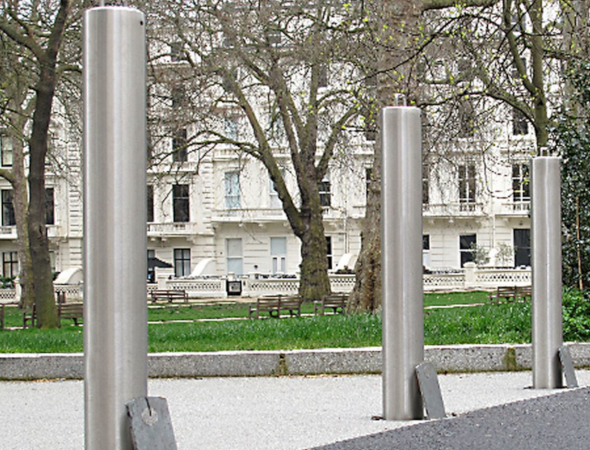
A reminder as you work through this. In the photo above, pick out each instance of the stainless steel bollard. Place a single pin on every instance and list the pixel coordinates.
(401, 222)
(115, 205)
(546, 262)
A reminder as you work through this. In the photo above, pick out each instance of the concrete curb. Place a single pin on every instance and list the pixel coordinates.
(446, 358)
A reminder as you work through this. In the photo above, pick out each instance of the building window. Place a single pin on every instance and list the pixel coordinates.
(180, 194)
(467, 184)
(520, 183)
(426, 251)
(8, 217)
(425, 184)
(151, 271)
(176, 51)
(179, 141)
(274, 38)
(10, 264)
(231, 128)
(49, 206)
(178, 97)
(234, 256)
(6, 150)
(520, 124)
(329, 251)
(150, 203)
(182, 262)
(232, 190)
(467, 243)
(522, 247)
(324, 191)
(278, 254)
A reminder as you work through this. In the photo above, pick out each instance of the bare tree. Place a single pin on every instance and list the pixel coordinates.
(35, 32)
(286, 71)
(510, 52)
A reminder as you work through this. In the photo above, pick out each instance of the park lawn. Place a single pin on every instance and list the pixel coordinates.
(192, 311)
(456, 298)
(506, 323)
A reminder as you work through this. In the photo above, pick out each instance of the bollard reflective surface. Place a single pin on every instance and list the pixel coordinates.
(401, 222)
(546, 271)
(115, 318)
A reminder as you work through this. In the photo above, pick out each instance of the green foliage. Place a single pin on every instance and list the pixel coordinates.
(571, 140)
(7, 282)
(576, 315)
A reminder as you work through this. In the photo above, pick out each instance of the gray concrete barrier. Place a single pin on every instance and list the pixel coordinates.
(446, 358)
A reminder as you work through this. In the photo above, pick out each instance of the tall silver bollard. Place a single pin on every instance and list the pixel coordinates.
(546, 262)
(401, 222)
(115, 320)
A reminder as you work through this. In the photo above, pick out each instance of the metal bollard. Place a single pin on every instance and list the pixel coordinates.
(546, 266)
(401, 222)
(115, 205)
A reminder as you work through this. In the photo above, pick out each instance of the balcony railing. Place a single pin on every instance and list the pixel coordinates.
(9, 232)
(171, 229)
(248, 214)
(516, 208)
(453, 210)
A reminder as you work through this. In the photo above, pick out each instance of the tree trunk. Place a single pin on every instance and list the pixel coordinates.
(366, 295)
(39, 245)
(21, 205)
(398, 21)
(314, 281)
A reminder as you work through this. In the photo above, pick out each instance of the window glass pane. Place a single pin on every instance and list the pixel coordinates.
(324, 190)
(234, 248)
(234, 265)
(278, 246)
(467, 243)
(8, 218)
(179, 143)
(182, 262)
(6, 151)
(232, 190)
(10, 264)
(181, 203)
(150, 203)
(49, 207)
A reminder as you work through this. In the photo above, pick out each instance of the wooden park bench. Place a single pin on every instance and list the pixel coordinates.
(524, 293)
(67, 311)
(169, 295)
(337, 303)
(72, 311)
(275, 305)
(510, 294)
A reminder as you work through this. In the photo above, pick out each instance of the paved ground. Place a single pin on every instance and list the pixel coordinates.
(553, 422)
(282, 412)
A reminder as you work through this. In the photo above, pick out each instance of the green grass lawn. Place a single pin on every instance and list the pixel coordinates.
(455, 298)
(192, 311)
(476, 325)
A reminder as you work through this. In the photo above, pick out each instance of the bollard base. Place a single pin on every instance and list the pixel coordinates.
(567, 366)
(430, 390)
(150, 424)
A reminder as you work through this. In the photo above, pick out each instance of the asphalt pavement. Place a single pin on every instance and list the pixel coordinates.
(294, 413)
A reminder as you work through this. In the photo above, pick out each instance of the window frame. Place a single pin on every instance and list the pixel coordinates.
(181, 203)
(182, 261)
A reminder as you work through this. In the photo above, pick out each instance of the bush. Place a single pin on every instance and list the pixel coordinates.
(576, 315)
